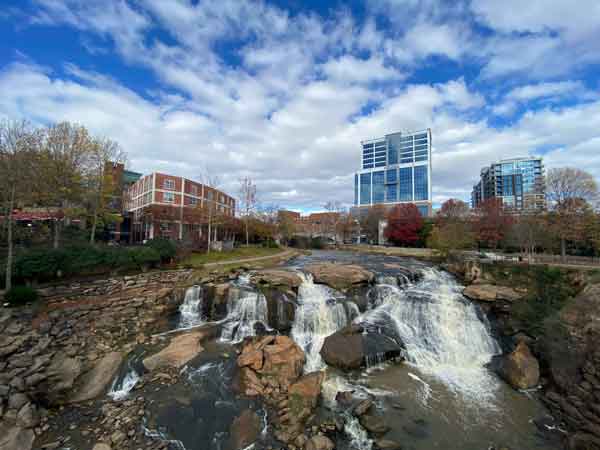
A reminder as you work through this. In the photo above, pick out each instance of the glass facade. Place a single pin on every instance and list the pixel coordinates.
(395, 169)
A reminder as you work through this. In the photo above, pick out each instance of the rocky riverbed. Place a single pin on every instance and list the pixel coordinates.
(332, 350)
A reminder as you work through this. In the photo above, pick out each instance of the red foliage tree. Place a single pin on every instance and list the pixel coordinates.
(491, 222)
(404, 224)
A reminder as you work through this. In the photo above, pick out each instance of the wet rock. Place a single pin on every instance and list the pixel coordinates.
(182, 349)
(17, 400)
(340, 276)
(244, 430)
(62, 373)
(96, 380)
(277, 277)
(281, 308)
(519, 368)
(387, 444)
(15, 438)
(363, 407)
(28, 417)
(319, 443)
(491, 293)
(350, 348)
(583, 441)
(304, 394)
(101, 446)
(374, 424)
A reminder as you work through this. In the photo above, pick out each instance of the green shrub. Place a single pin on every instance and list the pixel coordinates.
(166, 248)
(39, 264)
(144, 257)
(270, 243)
(19, 295)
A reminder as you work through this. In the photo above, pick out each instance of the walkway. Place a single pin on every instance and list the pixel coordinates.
(247, 260)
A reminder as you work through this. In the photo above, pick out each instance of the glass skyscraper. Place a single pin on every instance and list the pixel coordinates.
(518, 182)
(395, 169)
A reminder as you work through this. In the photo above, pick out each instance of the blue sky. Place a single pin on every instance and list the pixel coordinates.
(283, 92)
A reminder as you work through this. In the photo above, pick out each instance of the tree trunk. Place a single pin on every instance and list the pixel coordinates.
(247, 233)
(94, 224)
(563, 250)
(9, 256)
(56, 234)
(209, 234)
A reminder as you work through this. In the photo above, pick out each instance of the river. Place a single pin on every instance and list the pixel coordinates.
(442, 396)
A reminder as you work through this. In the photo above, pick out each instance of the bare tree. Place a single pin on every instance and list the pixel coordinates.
(248, 202)
(19, 146)
(209, 203)
(567, 190)
(336, 209)
(101, 186)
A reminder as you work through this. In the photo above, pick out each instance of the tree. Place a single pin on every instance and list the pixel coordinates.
(336, 209)
(491, 223)
(101, 185)
(453, 210)
(248, 202)
(369, 223)
(528, 232)
(19, 148)
(60, 174)
(209, 203)
(450, 236)
(567, 190)
(404, 224)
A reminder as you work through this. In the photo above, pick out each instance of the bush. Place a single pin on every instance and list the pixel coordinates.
(19, 295)
(144, 257)
(270, 243)
(166, 248)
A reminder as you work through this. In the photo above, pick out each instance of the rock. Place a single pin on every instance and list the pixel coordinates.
(244, 430)
(373, 424)
(491, 293)
(252, 358)
(95, 381)
(363, 407)
(283, 360)
(304, 394)
(340, 276)
(387, 444)
(62, 373)
(277, 277)
(101, 446)
(17, 400)
(319, 443)
(349, 348)
(28, 417)
(182, 349)
(582, 314)
(519, 368)
(15, 438)
(117, 437)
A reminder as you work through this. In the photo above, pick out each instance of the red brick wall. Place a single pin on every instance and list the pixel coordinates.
(160, 182)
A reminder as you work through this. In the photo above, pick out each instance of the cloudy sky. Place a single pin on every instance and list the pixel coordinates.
(284, 92)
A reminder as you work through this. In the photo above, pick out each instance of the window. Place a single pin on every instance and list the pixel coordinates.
(391, 176)
(378, 187)
(193, 201)
(365, 188)
(194, 189)
(168, 197)
(356, 189)
(423, 210)
(210, 195)
(406, 182)
(169, 184)
(391, 192)
(421, 183)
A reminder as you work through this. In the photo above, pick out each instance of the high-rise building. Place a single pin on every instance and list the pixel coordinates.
(518, 182)
(395, 169)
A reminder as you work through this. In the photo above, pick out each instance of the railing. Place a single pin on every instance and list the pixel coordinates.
(523, 258)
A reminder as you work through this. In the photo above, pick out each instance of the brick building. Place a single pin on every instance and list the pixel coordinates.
(161, 205)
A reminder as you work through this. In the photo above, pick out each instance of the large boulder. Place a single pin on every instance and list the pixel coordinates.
(582, 314)
(277, 277)
(181, 350)
(94, 382)
(519, 368)
(61, 375)
(340, 276)
(319, 442)
(351, 348)
(303, 395)
(491, 293)
(244, 430)
(15, 438)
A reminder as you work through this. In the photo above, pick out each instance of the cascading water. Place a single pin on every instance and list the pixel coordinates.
(127, 377)
(190, 313)
(442, 332)
(318, 315)
(246, 309)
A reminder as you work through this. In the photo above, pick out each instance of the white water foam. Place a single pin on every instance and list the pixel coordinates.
(359, 439)
(245, 309)
(190, 314)
(318, 315)
(120, 389)
(442, 332)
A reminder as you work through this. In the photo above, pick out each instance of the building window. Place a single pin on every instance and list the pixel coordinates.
(209, 195)
(423, 210)
(194, 189)
(406, 184)
(355, 189)
(169, 184)
(193, 201)
(365, 188)
(168, 197)
(421, 183)
(391, 193)
(378, 187)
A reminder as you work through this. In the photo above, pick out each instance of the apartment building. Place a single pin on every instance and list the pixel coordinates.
(173, 207)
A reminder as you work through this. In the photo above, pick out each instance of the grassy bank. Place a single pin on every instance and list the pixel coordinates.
(199, 259)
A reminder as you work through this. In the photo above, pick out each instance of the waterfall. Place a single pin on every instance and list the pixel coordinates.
(190, 314)
(442, 332)
(318, 315)
(245, 310)
(122, 386)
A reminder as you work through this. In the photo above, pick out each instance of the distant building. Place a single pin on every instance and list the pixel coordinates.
(395, 169)
(518, 182)
(315, 224)
(161, 205)
(122, 180)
